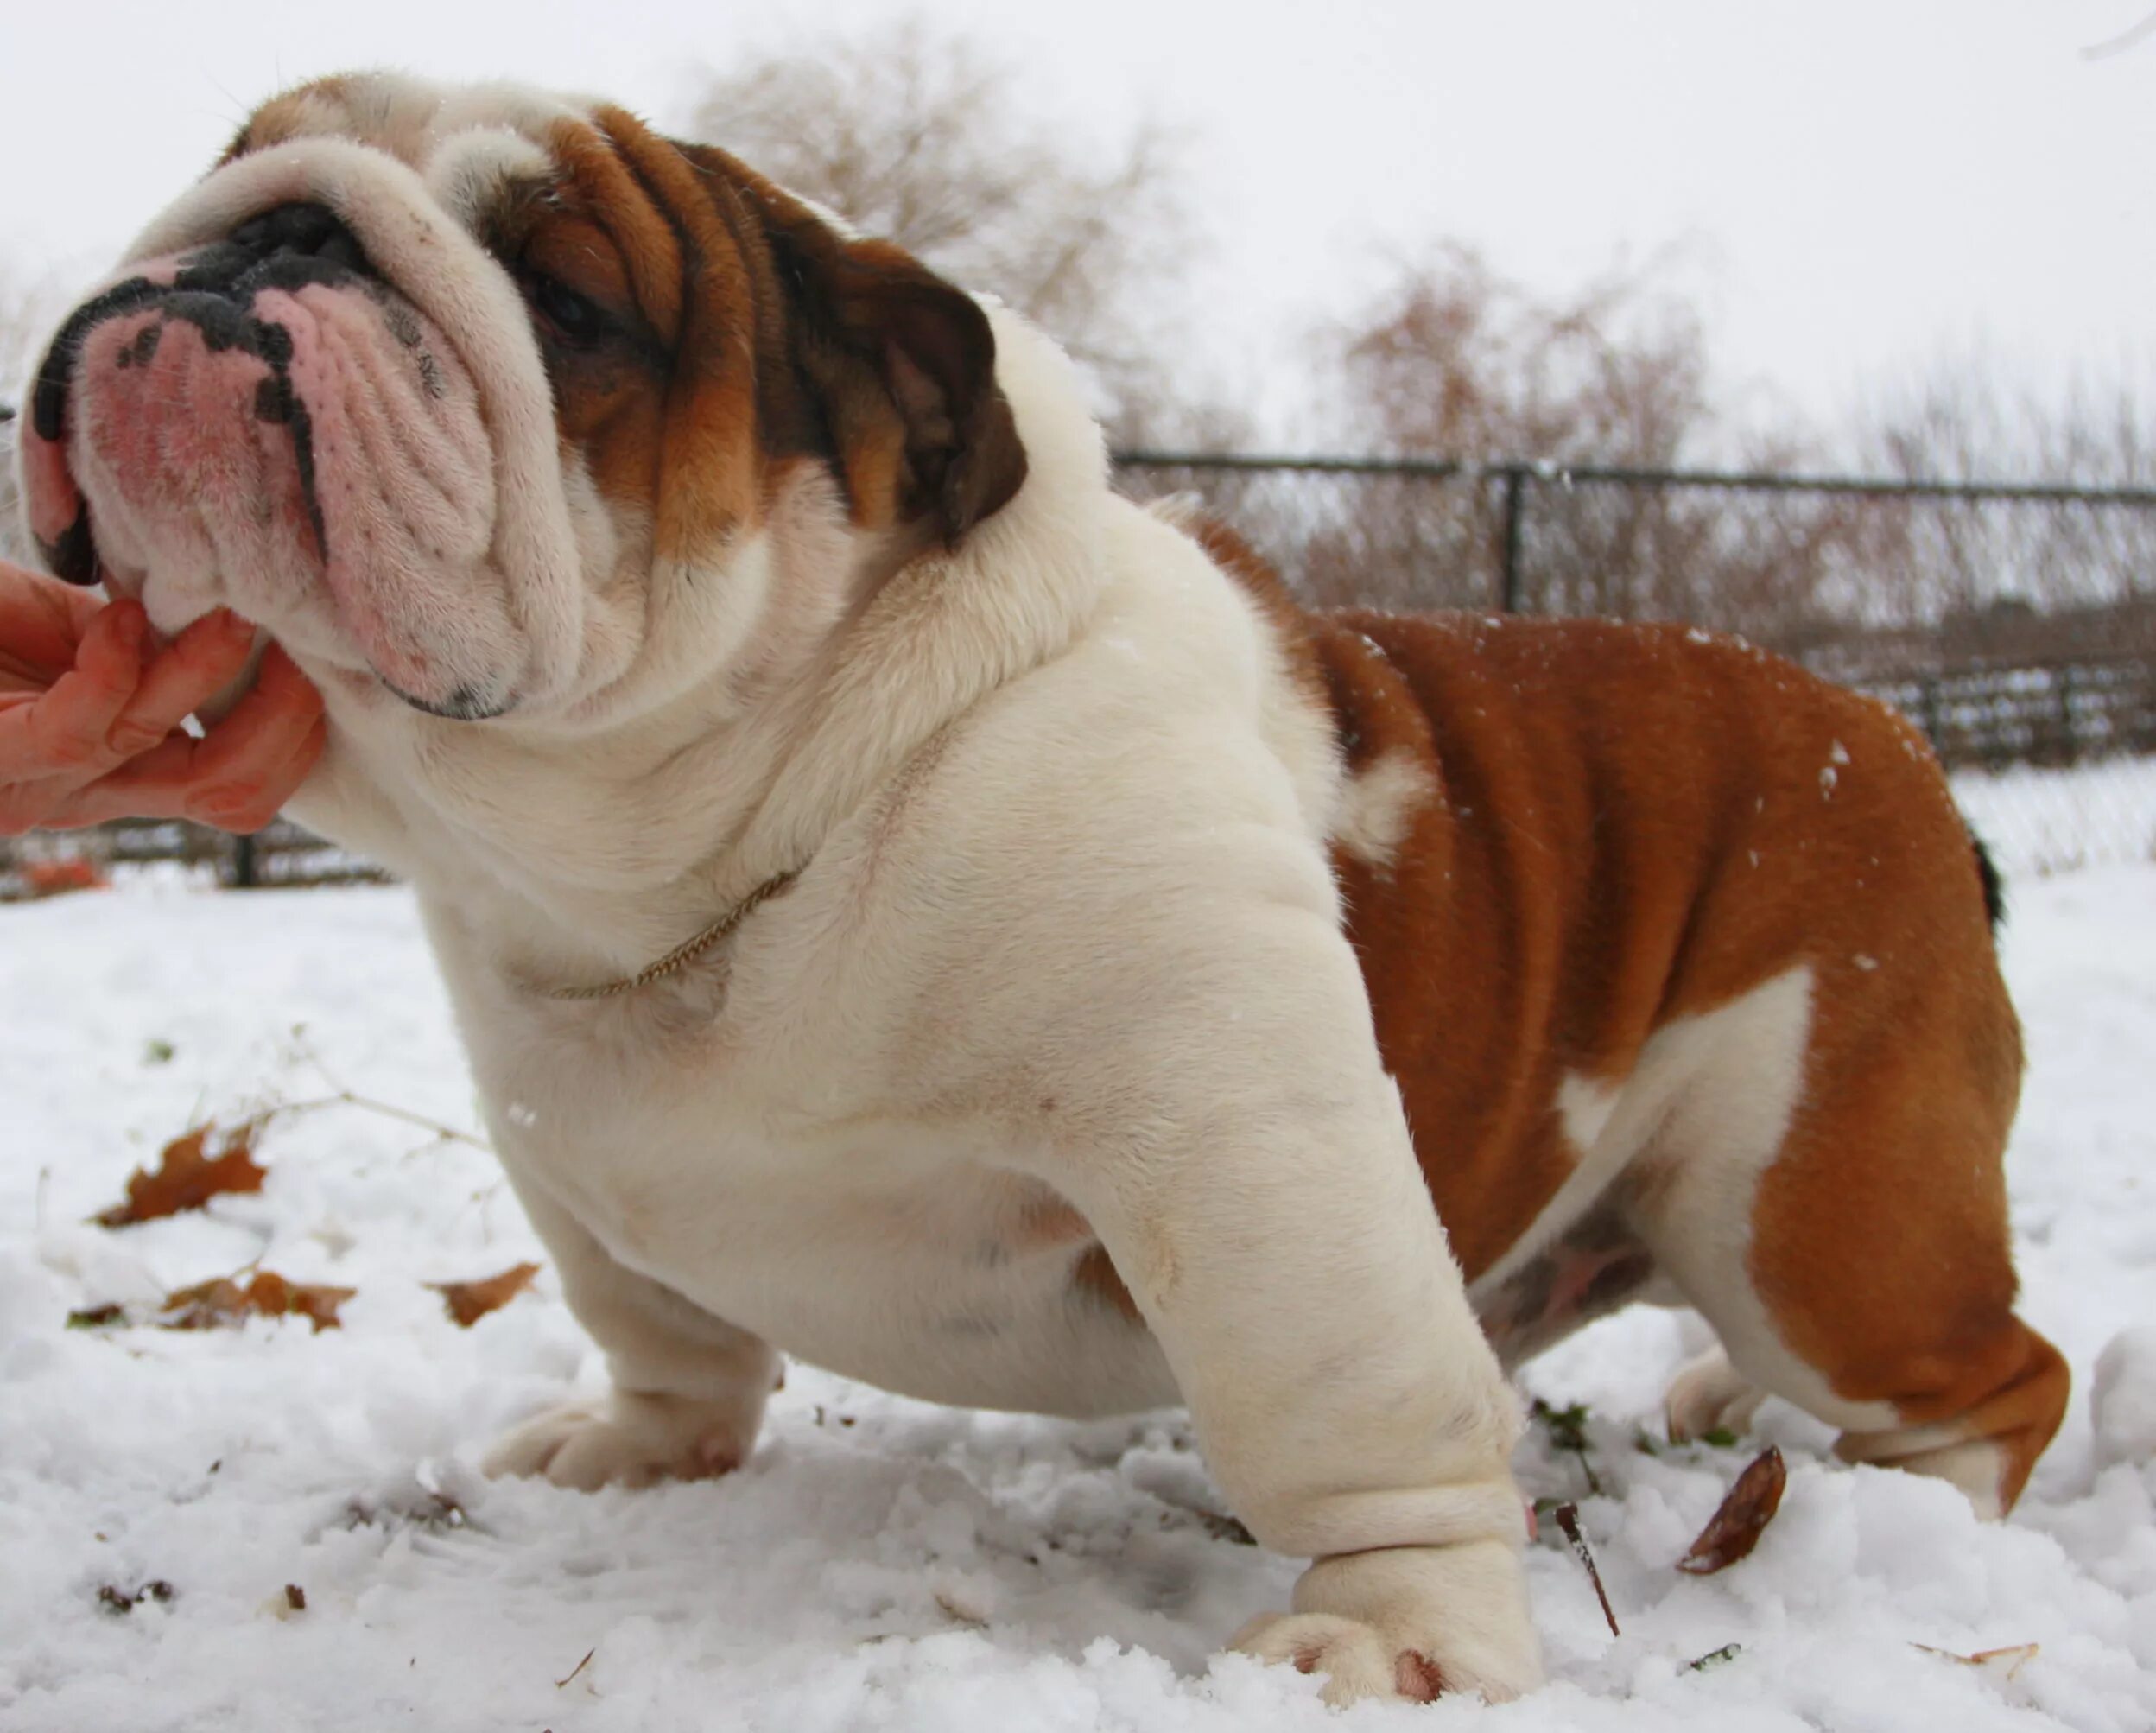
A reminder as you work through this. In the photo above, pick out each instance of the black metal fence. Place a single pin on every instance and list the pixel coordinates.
(2015, 622)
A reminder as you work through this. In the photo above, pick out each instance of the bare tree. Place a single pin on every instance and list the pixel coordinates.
(1452, 360)
(1960, 420)
(931, 141)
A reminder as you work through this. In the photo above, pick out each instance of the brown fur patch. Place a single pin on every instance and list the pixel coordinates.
(1633, 824)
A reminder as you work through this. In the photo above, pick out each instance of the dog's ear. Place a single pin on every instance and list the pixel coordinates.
(904, 366)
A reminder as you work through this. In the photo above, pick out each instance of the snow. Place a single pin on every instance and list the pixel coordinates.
(2122, 1398)
(2042, 822)
(884, 1564)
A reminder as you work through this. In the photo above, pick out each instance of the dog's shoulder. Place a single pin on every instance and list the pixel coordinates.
(1173, 712)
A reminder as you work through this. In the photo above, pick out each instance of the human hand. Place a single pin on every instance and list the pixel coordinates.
(90, 709)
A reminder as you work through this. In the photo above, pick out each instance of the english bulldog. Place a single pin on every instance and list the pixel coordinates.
(912, 908)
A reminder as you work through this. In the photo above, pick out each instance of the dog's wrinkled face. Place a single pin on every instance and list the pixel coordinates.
(487, 400)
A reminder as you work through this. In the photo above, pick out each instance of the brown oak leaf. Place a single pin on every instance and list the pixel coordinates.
(469, 1302)
(1999, 1665)
(186, 1177)
(1734, 1530)
(223, 1303)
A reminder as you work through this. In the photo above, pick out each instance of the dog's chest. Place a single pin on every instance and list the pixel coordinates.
(882, 1245)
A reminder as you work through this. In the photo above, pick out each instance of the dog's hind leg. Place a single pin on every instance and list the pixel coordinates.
(1710, 1394)
(1832, 1199)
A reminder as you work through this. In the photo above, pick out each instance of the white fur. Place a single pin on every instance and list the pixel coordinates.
(1585, 1109)
(1377, 806)
(1716, 1093)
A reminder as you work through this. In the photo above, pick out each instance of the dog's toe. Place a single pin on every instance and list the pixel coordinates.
(1710, 1394)
(1407, 1624)
(633, 1442)
(1357, 1663)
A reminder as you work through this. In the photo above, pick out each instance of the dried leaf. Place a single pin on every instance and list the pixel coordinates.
(295, 1598)
(57, 877)
(97, 1316)
(414, 1505)
(958, 1612)
(224, 1304)
(117, 1600)
(1232, 1529)
(1217, 1524)
(1734, 1530)
(1999, 1665)
(469, 1302)
(187, 1178)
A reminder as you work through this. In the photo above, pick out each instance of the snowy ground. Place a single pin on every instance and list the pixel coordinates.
(2042, 821)
(880, 1563)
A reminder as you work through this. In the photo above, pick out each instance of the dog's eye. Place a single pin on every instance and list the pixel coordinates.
(578, 323)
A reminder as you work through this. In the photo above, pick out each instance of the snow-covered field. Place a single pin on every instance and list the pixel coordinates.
(881, 1563)
(2043, 822)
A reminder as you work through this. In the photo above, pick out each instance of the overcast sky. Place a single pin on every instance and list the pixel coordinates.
(1862, 184)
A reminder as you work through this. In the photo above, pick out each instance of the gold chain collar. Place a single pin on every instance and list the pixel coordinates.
(686, 953)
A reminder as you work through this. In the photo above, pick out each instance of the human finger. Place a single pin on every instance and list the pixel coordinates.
(239, 773)
(41, 621)
(253, 761)
(63, 730)
(194, 668)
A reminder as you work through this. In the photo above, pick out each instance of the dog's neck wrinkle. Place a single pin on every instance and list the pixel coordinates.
(925, 645)
(585, 857)
(625, 842)
(617, 847)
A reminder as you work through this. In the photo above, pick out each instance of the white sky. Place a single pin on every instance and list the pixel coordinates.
(1863, 185)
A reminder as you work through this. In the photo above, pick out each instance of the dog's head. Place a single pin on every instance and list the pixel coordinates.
(476, 398)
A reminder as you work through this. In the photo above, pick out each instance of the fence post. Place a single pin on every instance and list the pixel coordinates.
(2070, 741)
(1508, 566)
(246, 874)
(1929, 716)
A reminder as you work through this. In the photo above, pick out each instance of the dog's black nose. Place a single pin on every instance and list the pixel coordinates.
(308, 231)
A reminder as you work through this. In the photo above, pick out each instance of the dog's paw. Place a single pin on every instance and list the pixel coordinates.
(628, 1440)
(1407, 1625)
(1710, 1394)
(1357, 1662)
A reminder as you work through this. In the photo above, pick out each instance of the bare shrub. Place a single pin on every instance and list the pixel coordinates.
(1960, 420)
(1453, 361)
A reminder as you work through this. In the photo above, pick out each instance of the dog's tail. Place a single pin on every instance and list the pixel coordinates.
(1994, 886)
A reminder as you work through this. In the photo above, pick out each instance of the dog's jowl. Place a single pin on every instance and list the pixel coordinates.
(910, 907)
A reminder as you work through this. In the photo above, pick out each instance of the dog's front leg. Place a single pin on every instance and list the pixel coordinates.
(1246, 1162)
(689, 1388)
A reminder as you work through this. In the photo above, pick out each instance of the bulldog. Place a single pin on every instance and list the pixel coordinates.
(912, 908)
